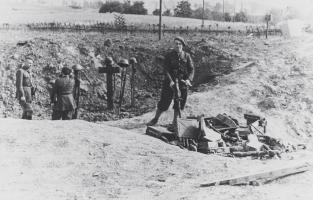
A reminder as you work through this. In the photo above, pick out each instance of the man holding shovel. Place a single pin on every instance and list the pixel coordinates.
(179, 72)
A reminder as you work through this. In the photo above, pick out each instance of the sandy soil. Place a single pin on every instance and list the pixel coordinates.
(81, 160)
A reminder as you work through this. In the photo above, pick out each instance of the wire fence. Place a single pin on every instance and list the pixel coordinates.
(255, 30)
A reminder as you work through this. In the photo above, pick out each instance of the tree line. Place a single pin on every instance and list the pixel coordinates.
(127, 7)
(182, 9)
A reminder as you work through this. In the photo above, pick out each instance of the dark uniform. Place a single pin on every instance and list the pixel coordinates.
(179, 66)
(62, 96)
(24, 89)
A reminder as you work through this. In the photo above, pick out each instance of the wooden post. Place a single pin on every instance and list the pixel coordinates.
(109, 70)
(133, 62)
(266, 29)
(163, 29)
(202, 25)
(267, 18)
(160, 21)
(124, 64)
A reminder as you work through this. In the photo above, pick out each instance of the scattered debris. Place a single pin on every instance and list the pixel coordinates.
(223, 135)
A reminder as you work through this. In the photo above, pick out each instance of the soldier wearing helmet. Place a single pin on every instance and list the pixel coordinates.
(62, 96)
(24, 88)
(178, 66)
(76, 91)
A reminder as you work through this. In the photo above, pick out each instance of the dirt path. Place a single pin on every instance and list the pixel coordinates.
(80, 160)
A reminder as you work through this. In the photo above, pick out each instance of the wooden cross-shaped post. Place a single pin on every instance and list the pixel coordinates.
(109, 70)
(133, 62)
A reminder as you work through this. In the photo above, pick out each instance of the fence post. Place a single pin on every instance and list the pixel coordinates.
(216, 28)
(163, 29)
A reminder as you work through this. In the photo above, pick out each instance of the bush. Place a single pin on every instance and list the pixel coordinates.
(156, 12)
(197, 13)
(183, 9)
(119, 21)
(126, 7)
(241, 17)
(113, 6)
(217, 16)
(167, 13)
(227, 17)
(138, 8)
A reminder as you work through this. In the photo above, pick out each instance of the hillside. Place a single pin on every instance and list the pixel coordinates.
(51, 51)
(33, 13)
(44, 159)
(57, 160)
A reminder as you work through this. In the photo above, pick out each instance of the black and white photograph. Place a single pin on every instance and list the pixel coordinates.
(156, 99)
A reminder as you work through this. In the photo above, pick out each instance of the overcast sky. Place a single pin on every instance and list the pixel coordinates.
(258, 7)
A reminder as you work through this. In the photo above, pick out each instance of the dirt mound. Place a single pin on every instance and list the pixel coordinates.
(52, 51)
(270, 88)
(81, 160)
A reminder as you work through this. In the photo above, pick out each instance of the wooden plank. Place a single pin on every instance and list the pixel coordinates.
(160, 133)
(263, 177)
(256, 153)
(244, 65)
(156, 131)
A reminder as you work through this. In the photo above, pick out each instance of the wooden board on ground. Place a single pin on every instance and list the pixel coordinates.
(160, 133)
(244, 65)
(263, 177)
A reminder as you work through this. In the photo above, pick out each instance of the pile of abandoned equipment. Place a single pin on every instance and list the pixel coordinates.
(223, 135)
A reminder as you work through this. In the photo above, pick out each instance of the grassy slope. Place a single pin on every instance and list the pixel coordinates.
(34, 14)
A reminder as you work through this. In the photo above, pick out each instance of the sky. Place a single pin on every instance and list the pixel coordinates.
(256, 7)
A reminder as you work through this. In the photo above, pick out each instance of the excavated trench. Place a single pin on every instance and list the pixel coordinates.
(50, 55)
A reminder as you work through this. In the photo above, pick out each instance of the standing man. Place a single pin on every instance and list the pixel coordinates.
(76, 92)
(24, 87)
(62, 99)
(178, 68)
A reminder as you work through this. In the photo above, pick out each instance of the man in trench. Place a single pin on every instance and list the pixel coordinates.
(62, 99)
(178, 65)
(24, 88)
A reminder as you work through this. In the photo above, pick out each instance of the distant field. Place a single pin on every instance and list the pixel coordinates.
(37, 14)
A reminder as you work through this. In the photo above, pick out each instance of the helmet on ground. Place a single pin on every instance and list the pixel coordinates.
(66, 71)
(77, 67)
(133, 60)
(123, 63)
(109, 61)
